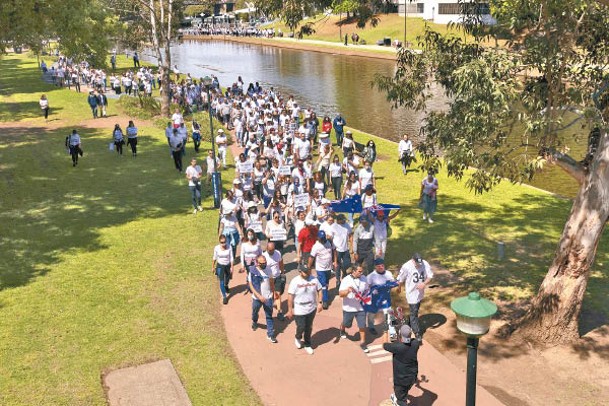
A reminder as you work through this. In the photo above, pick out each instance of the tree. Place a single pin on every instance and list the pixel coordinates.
(508, 107)
(160, 20)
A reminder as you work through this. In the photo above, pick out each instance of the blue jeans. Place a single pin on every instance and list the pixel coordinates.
(324, 278)
(223, 274)
(268, 313)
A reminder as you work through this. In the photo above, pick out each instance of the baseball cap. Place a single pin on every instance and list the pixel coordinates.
(379, 261)
(309, 221)
(236, 181)
(220, 130)
(340, 216)
(417, 258)
(405, 332)
(321, 235)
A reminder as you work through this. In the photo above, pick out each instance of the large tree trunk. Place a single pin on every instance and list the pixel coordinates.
(165, 79)
(553, 317)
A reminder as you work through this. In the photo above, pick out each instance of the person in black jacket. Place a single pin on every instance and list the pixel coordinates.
(405, 364)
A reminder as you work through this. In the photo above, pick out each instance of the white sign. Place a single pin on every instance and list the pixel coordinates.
(246, 167)
(278, 234)
(301, 200)
(284, 170)
(256, 226)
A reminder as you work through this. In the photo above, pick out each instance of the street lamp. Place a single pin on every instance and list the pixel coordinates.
(216, 181)
(474, 320)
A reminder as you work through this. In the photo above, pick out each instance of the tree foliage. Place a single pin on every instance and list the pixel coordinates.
(507, 109)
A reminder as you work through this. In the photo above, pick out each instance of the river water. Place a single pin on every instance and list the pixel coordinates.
(329, 83)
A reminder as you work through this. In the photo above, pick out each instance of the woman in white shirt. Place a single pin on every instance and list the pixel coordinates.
(119, 140)
(231, 229)
(336, 176)
(352, 186)
(44, 106)
(222, 266)
(369, 197)
(323, 162)
(250, 250)
(276, 231)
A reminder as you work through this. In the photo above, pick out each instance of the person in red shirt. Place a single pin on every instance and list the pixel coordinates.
(306, 239)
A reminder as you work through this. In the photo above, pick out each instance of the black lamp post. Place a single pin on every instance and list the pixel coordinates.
(216, 180)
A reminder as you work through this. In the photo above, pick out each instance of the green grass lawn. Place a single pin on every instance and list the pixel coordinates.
(103, 265)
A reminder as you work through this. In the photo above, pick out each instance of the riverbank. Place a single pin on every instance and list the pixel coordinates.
(366, 51)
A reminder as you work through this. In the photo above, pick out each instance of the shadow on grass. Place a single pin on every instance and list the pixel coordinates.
(50, 209)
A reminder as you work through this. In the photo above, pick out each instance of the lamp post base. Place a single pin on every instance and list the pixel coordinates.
(216, 184)
(472, 365)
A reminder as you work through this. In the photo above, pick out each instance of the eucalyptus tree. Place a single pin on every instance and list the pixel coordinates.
(508, 107)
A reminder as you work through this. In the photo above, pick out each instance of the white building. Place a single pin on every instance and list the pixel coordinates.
(441, 11)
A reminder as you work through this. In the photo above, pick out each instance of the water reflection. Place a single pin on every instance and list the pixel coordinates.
(327, 82)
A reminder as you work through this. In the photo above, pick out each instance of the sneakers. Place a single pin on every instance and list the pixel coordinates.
(194, 212)
(372, 331)
(364, 348)
(430, 220)
(297, 343)
(309, 350)
(343, 334)
(254, 326)
(394, 399)
(225, 300)
(424, 216)
(272, 339)
(200, 208)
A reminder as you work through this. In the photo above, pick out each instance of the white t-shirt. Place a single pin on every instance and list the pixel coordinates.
(221, 140)
(380, 230)
(223, 256)
(323, 255)
(335, 170)
(305, 293)
(177, 118)
(272, 261)
(365, 177)
(230, 224)
(376, 278)
(249, 252)
(340, 237)
(350, 303)
(413, 276)
(328, 229)
(193, 173)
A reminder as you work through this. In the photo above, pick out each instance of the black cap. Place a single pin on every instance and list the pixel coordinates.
(417, 258)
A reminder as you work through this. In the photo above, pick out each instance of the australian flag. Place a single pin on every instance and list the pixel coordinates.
(378, 297)
(354, 205)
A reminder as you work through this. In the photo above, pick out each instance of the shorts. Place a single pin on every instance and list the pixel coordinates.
(280, 282)
(360, 317)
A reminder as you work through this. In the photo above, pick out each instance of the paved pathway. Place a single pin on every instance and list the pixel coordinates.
(339, 373)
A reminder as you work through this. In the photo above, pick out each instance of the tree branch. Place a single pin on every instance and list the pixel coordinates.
(566, 163)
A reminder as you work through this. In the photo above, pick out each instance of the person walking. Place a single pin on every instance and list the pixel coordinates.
(93, 103)
(342, 239)
(193, 174)
(416, 275)
(274, 261)
(175, 142)
(230, 227)
(307, 237)
(405, 153)
(132, 137)
(428, 198)
(363, 243)
(262, 285)
(44, 106)
(380, 276)
(339, 123)
(118, 138)
(222, 142)
(352, 287)
(73, 144)
(304, 302)
(103, 103)
(196, 135)
(275, 230)
(405, 364)
(323, 256)
(336, 176)
(222, 266)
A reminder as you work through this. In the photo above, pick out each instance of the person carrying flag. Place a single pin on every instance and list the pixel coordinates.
(380, 289)
(353, 289)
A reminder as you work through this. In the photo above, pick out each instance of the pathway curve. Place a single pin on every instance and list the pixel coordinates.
(339, 373)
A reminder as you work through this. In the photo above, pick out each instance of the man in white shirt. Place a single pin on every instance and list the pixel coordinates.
(275, 263)
(222, 142)
(304, 297)
(176, 143)
(209, 163)
(262, 286)
(378, 277)
(351, 288)
(405, 154)
(193, 174)
(323, 255)
(416, 275)
(342, 239)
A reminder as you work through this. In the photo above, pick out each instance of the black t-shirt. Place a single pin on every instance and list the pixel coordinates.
(405, 364)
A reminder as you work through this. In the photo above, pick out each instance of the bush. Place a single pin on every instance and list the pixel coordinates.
(142, 107)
